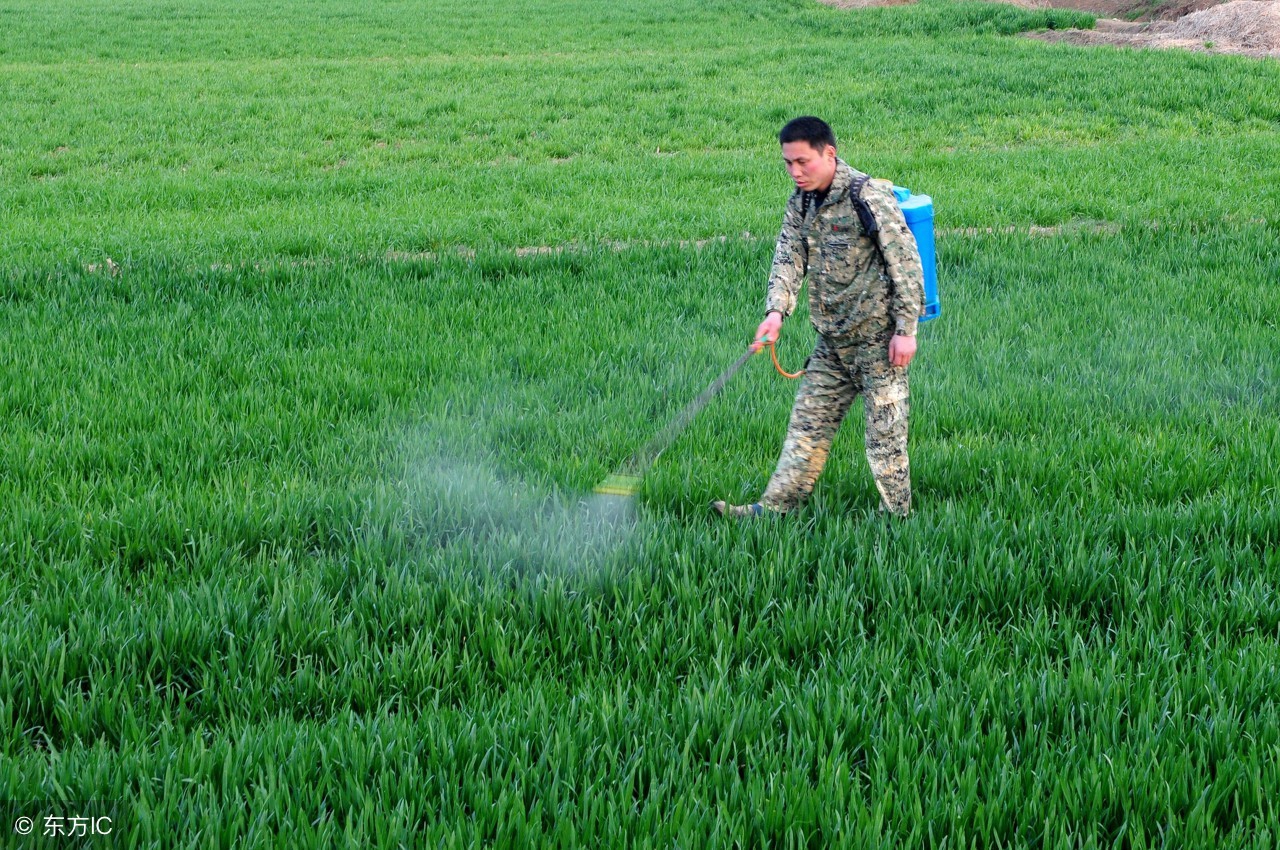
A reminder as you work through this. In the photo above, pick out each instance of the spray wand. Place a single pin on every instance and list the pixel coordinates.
(626, 481)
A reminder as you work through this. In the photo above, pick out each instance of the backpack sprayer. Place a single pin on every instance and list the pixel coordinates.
(918, 212)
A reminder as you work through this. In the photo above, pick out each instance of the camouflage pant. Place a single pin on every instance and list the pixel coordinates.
(838, 371)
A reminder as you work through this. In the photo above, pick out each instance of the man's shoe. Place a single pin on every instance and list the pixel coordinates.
(737, 511)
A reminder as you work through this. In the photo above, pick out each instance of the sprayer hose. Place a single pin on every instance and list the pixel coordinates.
(773, 351)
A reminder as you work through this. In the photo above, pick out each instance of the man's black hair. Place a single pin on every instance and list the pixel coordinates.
(806, 128)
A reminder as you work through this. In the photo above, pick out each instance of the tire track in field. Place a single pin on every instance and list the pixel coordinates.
(1110, 228)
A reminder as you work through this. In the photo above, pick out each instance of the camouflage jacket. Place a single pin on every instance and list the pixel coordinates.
(854, 290)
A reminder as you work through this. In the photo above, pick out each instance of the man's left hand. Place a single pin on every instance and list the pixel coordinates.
(901, 349)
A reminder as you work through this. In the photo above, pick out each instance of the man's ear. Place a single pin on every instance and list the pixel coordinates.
(830, 151)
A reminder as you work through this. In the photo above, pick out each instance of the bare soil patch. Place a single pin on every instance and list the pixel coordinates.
(1126, 10)
(864, 4)
(1129, 10)
(1243, 27)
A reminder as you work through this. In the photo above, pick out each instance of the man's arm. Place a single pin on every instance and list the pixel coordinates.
(790, 262)
(901, 256)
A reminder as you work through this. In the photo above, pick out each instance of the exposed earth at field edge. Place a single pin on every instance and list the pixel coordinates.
(1129, 10)
(1244, 27)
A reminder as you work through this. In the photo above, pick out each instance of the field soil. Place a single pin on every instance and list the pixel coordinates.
(1129, 10)
(1244, 27)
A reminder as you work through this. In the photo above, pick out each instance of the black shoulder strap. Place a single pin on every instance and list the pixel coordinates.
(869, 224)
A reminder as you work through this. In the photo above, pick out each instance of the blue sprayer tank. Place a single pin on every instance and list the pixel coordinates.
(918, 211)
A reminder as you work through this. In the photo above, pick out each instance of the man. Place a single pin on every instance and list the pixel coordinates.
(865, 297)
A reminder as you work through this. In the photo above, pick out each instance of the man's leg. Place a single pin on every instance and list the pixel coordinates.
(887, 407)
(825, 393)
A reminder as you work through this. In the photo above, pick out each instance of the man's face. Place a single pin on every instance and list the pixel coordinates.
(812, 169)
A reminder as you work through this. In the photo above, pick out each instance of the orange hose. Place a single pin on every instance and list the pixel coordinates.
(773, 351)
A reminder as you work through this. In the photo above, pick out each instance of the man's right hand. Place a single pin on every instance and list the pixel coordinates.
(768, 330)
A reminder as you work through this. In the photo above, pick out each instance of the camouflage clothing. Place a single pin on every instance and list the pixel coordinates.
(853, 290)
(858, 299)
(836, 374)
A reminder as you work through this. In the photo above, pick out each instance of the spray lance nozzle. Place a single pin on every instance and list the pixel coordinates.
(619, 484)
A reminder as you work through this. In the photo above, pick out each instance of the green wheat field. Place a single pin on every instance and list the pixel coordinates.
(320, 320)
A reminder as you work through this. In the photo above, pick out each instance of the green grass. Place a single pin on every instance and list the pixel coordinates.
(469, 126)
(297, 541)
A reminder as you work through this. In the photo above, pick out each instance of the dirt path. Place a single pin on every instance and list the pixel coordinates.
(1126, 10)
(1243, 27)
